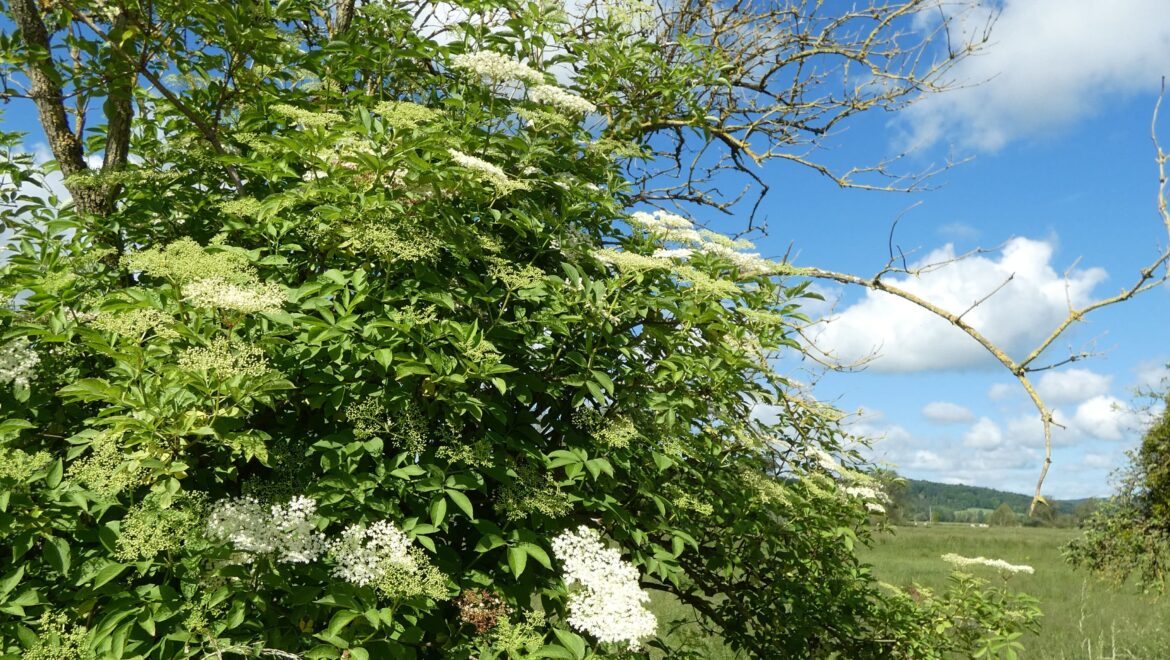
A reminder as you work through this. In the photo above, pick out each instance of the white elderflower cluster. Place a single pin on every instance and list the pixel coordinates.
(284, 530)
(492, 173)
(496, 67)
(872, 497)
(477, 164)
(561, 99)
(363, 554)
(959, 560)
(217, 293)
(824, 459)
(611, 606)
(18, 362)
(677, 229)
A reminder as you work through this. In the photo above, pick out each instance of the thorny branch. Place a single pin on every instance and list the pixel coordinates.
(1152, 275)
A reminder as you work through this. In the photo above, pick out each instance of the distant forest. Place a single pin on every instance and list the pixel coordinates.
(921, 501)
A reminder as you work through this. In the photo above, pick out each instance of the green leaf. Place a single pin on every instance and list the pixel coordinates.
(489, 542)
(339, 621)
(9, 581)
(438, 511)
(107, 573)
(556, 651)
(57, 552)
(604, 379)
(461, 501)
(53, 479)
(517, 560)
(384, 357)
(537, 553)
(571, 641)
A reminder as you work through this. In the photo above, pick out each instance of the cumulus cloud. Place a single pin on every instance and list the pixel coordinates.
(1000, 391)
(909, 338)
(1048, 64)
(1107, 418)
(945, 412)
(1152, 374)
(1072, 385)
(984, 434)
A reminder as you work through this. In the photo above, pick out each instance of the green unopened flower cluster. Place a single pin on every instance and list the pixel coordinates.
(135, 323)
(614, 432)
(58, 639)
(766, 489)
(18, 465)
(414, 578)
(185, 260)
(533, 492)
(226, 358)
(518, 638)
(105, 470)
(155, 526)
(400, 242)
(512, 276)
(306, 118)
(221, 279)
(405, 115)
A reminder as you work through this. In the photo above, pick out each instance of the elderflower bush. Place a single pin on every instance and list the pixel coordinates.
(352, 384)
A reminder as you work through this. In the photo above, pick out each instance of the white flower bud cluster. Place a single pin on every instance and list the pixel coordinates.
(825, 460)
(675, 228)
(478, 164)
(611, 606)
(18, 362)
(959, 560)
(284, 530)
(496, 67)
(219, 293)
(873, 498)
(561, 99)
(362, 553)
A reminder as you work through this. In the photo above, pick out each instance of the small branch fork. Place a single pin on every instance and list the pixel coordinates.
(1152, 275)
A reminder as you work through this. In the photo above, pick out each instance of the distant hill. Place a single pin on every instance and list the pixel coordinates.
(923, 496)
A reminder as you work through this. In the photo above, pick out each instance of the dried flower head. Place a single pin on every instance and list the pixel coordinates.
(481, 608)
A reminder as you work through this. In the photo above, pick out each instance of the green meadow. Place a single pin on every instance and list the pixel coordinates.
(1084, 617)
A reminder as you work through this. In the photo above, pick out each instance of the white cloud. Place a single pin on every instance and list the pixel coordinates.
(945, 412)
(984, 434)
(1071, 385)
(1152, 375)
(909, 338)
(1107, 418)
(1048, 64)
(1000, 391)
(1028, 431)
(1098, 461)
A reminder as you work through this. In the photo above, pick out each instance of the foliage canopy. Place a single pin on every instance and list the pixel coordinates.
(364, 354)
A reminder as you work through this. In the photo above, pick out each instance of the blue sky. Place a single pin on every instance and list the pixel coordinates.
(1061, 176)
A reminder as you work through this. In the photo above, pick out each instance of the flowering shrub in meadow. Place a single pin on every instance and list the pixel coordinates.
(370, 351)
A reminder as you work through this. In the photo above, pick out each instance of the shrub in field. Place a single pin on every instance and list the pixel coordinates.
(1130, 534)
(371, 357)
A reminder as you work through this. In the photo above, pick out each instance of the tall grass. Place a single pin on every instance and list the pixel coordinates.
(1084, 618)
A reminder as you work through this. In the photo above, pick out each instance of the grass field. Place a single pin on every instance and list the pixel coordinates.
(1084, 618)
